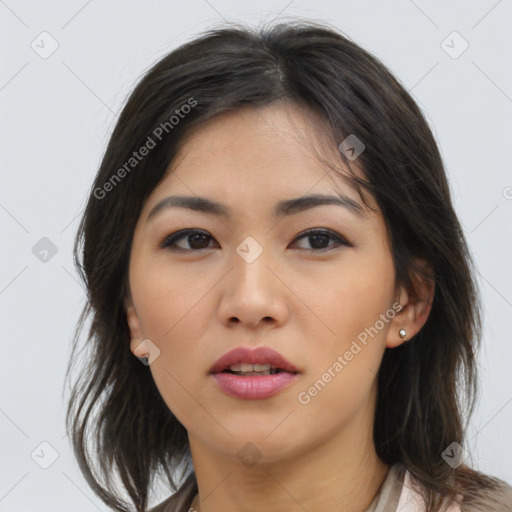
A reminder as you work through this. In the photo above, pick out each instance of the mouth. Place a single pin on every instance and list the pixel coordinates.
(260, 360)
(253, 373)
(251, 370)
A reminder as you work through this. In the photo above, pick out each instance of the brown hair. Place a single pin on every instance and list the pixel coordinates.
(425, 387)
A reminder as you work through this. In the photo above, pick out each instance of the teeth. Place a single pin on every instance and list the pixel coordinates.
(261, 367)
(244, 367)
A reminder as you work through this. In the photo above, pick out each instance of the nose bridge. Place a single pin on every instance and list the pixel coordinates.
(252, 292)
(250, 267)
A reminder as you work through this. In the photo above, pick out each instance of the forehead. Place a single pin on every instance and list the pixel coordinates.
(258, 152)
(281, 128)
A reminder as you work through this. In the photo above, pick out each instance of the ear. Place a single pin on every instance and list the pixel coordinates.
(138, 344)
(416, 305)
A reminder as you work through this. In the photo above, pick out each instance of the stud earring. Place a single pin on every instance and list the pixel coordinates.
(402, 333)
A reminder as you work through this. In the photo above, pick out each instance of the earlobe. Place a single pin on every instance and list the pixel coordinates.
(139, 348)
(399, 331)
(416, 306)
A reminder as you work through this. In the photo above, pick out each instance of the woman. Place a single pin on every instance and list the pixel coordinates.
(278, 372)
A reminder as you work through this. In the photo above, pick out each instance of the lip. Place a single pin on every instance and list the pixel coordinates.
(253, 387)
(259, 355)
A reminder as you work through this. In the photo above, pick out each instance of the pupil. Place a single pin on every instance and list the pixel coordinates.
(317, 237)
(195, 237)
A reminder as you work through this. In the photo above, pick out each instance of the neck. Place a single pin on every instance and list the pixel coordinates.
(342, 473)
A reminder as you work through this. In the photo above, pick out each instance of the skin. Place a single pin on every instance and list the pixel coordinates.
(307, 304)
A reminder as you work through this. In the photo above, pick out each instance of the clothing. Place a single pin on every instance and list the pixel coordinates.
(396, 494)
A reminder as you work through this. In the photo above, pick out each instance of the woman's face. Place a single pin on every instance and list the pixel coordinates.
(254, 278)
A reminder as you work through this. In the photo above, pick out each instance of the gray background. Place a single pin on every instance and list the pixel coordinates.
(57, 113)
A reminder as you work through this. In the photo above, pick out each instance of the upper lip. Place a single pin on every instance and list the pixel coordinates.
(259, 355)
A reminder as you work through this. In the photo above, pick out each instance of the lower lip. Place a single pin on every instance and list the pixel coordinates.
(253, 387)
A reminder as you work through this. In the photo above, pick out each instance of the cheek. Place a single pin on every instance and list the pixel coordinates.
(355, 296)
(358, 293)
(174, 318)
(344, 365)
(166, 298)
(175, 313)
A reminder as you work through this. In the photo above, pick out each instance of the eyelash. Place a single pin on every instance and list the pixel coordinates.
(170, 241)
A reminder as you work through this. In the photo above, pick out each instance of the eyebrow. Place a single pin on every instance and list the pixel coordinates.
(283, 208)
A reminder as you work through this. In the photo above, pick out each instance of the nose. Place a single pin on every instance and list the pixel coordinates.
(254, 294)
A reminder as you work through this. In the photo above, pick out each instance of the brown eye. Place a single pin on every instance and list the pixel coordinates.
(319, 240)
(195, 239)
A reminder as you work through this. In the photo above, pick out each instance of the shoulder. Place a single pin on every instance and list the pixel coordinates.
(181, 499)
(496, 498)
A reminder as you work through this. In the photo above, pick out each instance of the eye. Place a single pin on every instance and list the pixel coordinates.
(195, 238)
(319, 237)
